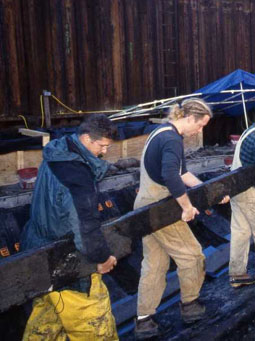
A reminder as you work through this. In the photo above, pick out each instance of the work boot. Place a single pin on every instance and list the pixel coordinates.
(192, 311)
(146, 328)
(241, 280)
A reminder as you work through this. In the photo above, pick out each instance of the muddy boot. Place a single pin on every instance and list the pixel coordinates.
(146, 328)
(192, 311)
(241, 280)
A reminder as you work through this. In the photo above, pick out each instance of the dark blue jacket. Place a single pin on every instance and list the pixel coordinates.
(65, 199)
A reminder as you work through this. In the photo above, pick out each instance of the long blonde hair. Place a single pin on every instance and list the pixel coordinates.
(192, 106)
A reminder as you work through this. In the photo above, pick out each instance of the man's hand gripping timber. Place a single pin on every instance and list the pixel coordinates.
(189, 214)
(188, 211)
(191, 180)
(107, 266)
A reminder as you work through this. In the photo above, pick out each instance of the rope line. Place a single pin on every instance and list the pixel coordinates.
(79, 111)
(24, 119)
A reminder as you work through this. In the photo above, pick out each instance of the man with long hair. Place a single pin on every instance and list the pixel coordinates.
(163, 172)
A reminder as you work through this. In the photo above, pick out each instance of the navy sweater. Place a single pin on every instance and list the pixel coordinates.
(247, 151)
(164, 160)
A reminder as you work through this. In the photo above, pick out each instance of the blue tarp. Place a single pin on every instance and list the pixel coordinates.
(211, 93)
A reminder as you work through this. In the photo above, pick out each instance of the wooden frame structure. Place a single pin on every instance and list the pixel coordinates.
(129, 148)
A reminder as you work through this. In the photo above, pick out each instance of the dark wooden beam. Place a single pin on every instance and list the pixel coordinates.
(29, 274)
(150, 218)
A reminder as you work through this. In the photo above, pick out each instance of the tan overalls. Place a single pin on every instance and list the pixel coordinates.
(242, 220)
(176, 241)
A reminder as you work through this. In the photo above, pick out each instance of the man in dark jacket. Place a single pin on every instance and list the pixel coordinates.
(65, 201)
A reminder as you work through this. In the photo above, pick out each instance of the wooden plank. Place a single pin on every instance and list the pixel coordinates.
(20, 159)
(124, 148)
(33, 40)
(209, 54)
(10, 22)
(32, 158)
(187, 44)
(9, 164)
(30, 132)
(55, 265)
(8, 169)
(117, 51)
(132, 147)
(70, 48)
(45, 136)
(55, 52)
(9, 178)
(86, 66)
(134, 57)
(228, 36)
(158, 48)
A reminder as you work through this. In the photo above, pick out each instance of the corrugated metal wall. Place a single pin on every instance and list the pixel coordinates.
(103, 54)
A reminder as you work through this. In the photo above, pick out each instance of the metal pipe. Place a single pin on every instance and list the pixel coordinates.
(244, 106)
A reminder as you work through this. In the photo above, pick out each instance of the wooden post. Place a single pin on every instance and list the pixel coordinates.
(124, 148)
(20, 159)
(46, 104)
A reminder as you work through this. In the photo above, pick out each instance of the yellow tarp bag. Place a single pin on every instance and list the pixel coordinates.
(72, 315)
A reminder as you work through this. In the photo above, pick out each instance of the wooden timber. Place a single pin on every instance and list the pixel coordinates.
(56, 264)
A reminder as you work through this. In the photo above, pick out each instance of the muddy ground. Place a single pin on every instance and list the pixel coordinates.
(230, 314)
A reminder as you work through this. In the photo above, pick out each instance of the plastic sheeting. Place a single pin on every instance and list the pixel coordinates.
(212, 93)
